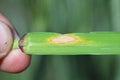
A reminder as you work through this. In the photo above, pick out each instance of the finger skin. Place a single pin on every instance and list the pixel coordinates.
(6, 39)
(15, 61)
(5, 20)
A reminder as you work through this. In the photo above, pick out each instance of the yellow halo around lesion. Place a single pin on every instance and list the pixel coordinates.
(65, 39)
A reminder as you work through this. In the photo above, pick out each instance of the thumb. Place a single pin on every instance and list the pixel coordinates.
(6, 39)
(13, 60)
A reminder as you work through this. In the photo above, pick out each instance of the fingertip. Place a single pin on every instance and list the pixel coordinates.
(15, 62)
(6, 39)
(6, 21)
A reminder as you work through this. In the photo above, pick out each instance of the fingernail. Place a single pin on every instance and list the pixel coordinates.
(6, 39)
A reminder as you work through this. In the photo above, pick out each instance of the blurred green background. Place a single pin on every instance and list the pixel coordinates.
(65, 16)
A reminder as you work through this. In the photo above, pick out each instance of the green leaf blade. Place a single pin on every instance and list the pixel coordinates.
(41, 43)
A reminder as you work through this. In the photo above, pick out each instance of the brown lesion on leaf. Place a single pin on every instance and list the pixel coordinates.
(64, 39)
